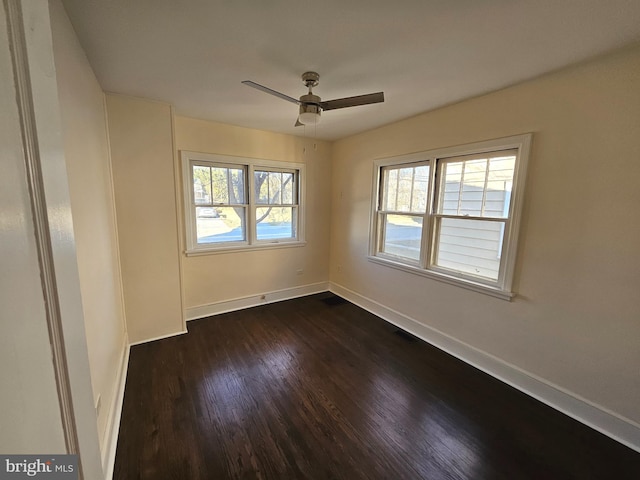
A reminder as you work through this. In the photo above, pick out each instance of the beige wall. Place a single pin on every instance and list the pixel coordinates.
(92, 203)
(576, 320)
(141, 140)
(209, 279)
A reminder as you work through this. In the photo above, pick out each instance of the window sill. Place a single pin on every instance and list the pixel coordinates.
(441, 277)
(243, 248)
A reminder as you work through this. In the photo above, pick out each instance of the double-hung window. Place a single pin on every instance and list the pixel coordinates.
(452, 214)
(239, 203)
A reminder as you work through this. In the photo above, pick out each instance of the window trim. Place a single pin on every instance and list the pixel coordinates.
(502, 288)
(249, 165)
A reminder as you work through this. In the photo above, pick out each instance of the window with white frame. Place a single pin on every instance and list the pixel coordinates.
(239, 203)
(452, 214)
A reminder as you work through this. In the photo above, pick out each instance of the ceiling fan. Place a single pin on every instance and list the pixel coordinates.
(311, 106)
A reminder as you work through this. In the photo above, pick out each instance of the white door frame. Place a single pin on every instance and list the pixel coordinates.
(30, 48)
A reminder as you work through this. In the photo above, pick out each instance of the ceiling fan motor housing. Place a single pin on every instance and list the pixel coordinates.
(310, 109)
(310, 104)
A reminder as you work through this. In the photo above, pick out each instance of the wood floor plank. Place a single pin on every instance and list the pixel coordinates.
(317, 388)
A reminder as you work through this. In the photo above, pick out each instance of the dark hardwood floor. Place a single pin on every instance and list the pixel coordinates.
(317, 388)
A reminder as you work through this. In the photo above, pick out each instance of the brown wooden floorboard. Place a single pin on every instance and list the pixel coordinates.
(317, 388)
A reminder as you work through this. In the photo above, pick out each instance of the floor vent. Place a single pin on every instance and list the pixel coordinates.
(334, 300)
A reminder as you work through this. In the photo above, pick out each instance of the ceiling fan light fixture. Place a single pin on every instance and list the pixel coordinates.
(309, 114)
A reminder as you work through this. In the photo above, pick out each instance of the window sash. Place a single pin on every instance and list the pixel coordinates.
(241, 196)
(477, 250)
(395, 239)
(288, 192)
(390, 185)
(283, 229)
(481, 188)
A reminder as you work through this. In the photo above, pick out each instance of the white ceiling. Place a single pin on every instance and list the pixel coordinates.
(422, 53)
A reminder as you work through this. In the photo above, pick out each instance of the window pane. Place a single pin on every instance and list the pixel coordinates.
(287, 189)
(402, 235)
(220, 184)
(470, 246)
(472, 191)
(405, 189)
(227, 186)
(275, 223)
(201, 184)
(236, 187)
(274, 188)
(499, 184)
(261, 184)
(220, 224)
(390, 184)
(420, 189)
(477, 187)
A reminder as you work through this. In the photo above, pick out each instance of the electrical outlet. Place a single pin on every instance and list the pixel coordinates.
(300, 271)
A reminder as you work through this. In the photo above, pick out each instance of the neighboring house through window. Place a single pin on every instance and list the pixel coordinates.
(452, 214)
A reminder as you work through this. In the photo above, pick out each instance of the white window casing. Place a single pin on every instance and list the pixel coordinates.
(465, 231)
(224, 212)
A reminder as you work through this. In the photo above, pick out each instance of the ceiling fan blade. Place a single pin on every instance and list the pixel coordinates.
(353, 101)
(257, 86)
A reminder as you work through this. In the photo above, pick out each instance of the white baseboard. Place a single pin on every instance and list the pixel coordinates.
(225, 306)
(110, 442)
(595, 416)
